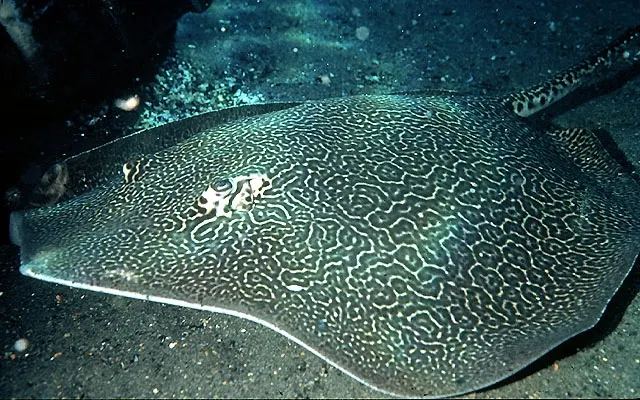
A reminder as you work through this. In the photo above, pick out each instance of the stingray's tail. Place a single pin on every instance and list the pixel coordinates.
(620, 53)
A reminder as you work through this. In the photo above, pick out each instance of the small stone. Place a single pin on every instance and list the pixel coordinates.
(21, 345)
(362, 33)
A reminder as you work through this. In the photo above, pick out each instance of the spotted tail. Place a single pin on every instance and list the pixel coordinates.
(623, 50)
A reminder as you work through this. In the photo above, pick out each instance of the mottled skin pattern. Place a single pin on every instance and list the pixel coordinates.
(428, 245)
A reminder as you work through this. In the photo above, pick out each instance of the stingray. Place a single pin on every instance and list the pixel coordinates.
(426, 244)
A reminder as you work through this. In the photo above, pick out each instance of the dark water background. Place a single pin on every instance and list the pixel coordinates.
(84, 344)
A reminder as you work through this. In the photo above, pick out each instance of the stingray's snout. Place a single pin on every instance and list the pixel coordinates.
(16, 228)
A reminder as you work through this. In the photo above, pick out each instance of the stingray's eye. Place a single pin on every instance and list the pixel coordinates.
(222, 185)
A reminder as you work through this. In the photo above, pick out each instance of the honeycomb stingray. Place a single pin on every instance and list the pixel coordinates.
(426, 244)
